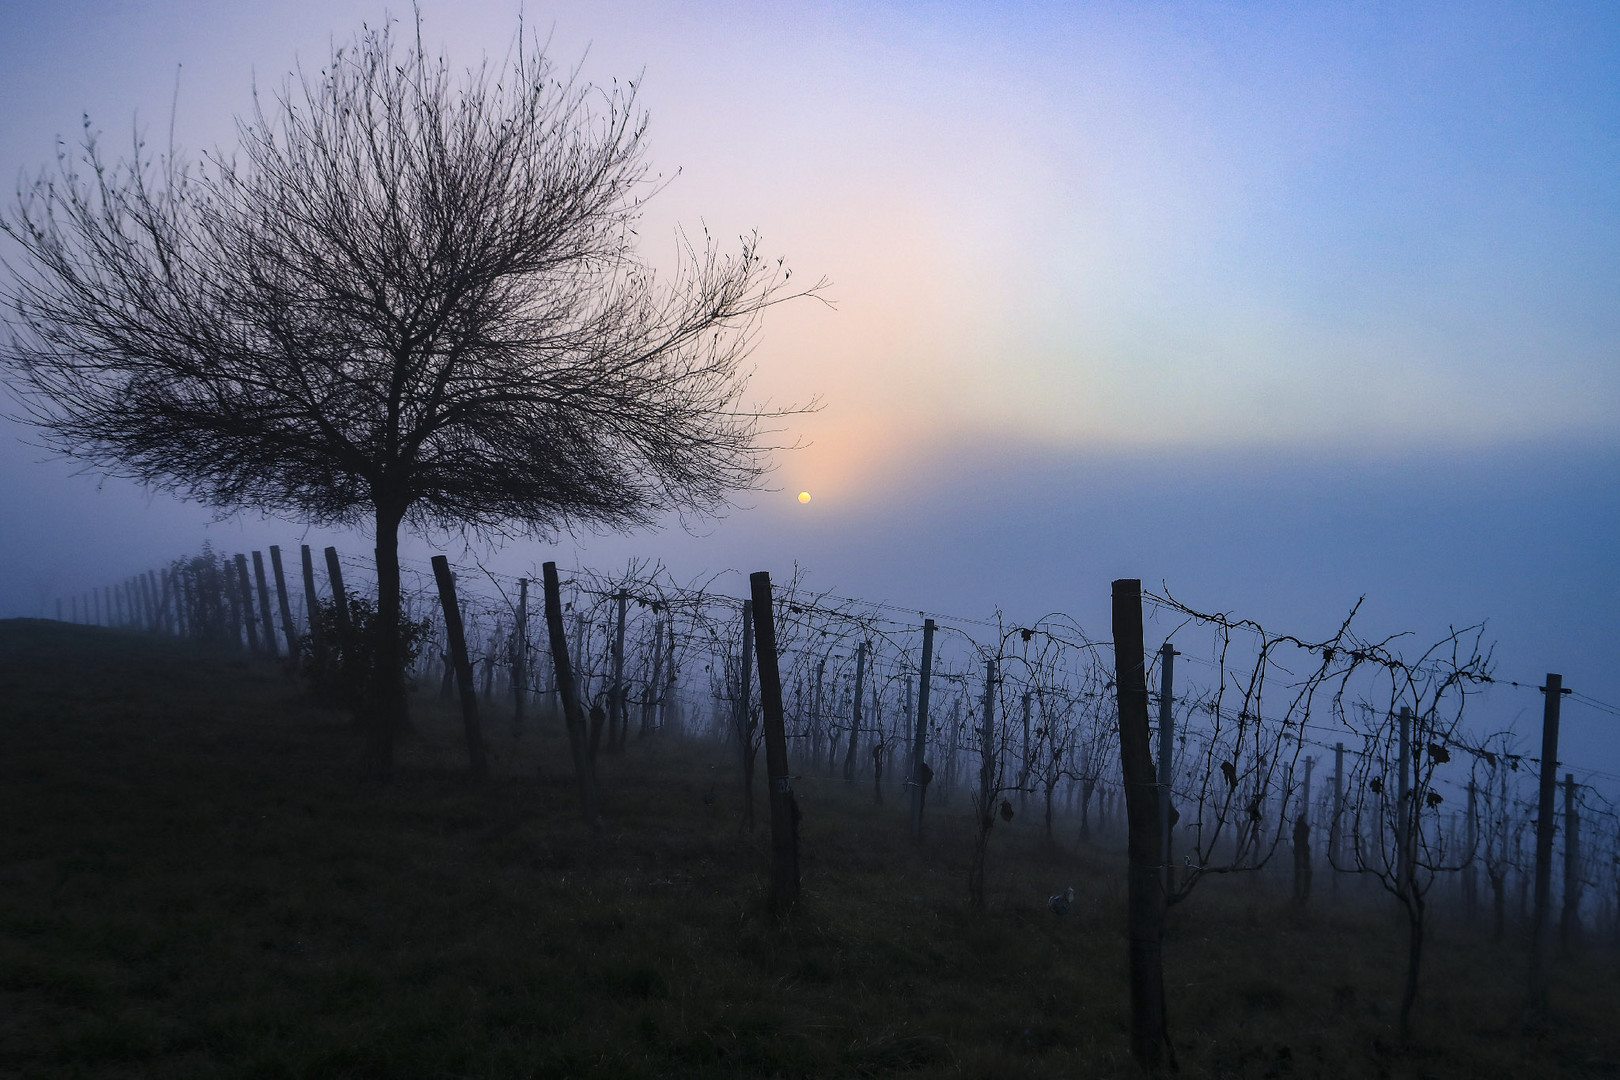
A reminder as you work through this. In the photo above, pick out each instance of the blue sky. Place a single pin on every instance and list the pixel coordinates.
(1288, 303)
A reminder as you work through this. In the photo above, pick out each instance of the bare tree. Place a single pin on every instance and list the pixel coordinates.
(409, 297)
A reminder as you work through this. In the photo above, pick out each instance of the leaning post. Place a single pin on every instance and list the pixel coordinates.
(266, 620)
(244, 589)
(1145, 885)
(453, 630)
(920, 773)
(573, 717)
(288, 630)
(340, 595)
(784, 808)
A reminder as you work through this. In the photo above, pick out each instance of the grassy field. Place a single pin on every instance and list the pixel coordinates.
(196, 880)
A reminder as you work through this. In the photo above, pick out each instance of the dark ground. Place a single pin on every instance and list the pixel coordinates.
(196, 880)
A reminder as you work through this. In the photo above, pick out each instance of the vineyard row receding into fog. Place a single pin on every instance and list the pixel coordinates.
(1270, 754)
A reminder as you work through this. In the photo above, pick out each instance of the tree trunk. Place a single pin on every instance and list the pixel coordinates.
(1498, 906)
(389, 708)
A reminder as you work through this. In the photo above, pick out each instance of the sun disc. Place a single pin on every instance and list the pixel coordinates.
(804, 496)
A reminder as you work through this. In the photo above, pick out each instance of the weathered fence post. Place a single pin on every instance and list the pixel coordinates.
(520, 656)
(1554, 691)
(312, 606)
(160, 607)
(1145, 885)
(573, 718)
(268, 622)
(815, 711)
(652, 697)
(464, 674)
(288, 630)
(618, 714)
(244, 591)
(1569, 922)
(784, 807)
(921, 774)
(148, 606)
(340, 595)
(855, 712)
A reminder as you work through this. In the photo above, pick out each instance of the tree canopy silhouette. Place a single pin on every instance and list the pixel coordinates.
(410, 297)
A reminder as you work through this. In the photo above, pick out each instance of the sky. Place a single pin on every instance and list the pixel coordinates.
(1280, 305)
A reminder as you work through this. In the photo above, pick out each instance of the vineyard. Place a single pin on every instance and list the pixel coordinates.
(1343, 784)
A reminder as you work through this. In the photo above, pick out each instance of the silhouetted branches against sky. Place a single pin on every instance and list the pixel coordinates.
(404, 284)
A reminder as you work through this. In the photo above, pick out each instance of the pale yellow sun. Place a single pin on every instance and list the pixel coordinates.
(804, 496)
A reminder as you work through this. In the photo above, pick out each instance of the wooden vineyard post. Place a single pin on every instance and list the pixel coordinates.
(340, 595)
(1145, 885)
(312, 606)
(1554, 691)
(618, 714)
(174, 589)
(921, 774)
(244, 607)
(573, 718)
(160, 598)
(265, 618)
(879, 741)
(666, 699)
(520, 656)
(143, 589)
(1569, 921)
(855, 712)
(463, 665)
(652, 697)
(815, 711)
(784, 808)
(288, 630)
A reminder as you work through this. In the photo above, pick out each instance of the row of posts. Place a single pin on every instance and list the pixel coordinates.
(171, 602)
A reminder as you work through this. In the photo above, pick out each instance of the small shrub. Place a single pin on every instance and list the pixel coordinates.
(339, 670)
